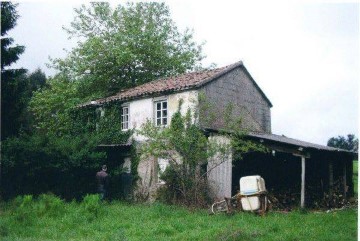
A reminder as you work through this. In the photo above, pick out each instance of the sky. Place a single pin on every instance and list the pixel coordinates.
(303, 55)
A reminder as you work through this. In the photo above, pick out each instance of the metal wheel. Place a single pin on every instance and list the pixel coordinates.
(219, 207)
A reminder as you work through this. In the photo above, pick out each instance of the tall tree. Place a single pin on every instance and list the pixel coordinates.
(36, 79)
(13, 86)
(126, 46)
(350, 142)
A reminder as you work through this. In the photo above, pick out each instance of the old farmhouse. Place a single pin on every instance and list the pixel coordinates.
(303, 168)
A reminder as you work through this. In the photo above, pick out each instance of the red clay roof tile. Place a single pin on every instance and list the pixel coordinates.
(171, 84)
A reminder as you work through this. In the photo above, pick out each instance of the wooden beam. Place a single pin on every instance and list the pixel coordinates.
(282, 148)
(344, 179)
(302, 203)
(331, 177)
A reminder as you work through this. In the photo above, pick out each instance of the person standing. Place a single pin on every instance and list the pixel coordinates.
(103, 181)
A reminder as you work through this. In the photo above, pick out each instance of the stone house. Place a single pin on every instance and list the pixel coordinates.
(288, 159)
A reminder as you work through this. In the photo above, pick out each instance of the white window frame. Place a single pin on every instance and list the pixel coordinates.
(99, 112)
(125, 117)
(159, 113)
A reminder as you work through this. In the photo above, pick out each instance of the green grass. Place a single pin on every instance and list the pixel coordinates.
(51, 219)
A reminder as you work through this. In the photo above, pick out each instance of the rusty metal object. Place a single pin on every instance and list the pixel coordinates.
(232, 204)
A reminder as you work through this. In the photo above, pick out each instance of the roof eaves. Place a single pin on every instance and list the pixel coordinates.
(147, 94)
(295, 142)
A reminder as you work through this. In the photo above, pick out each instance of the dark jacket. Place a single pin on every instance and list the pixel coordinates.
(102, 179)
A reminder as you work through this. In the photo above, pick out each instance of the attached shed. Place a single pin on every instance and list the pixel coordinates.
(310, 169)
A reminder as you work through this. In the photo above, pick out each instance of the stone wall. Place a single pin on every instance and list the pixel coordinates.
(237, 88)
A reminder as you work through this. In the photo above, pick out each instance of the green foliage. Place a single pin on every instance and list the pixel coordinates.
(49, 204)
(350, 143)
(38, 163)
(91, 204)
(120, 48)
(23, 213)
(60, 154)
(13, 87)
(355, 177)
(187, 148)
(122, 221)
(37, 79)
(9, 17)
(123, 47)
(51, 106)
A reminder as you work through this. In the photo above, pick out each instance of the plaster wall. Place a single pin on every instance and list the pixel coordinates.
(143, 109)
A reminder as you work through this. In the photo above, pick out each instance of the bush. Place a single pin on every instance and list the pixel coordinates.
(185, 189)
(49, 204)
(36, 164)
(91, 205)
(24, 211)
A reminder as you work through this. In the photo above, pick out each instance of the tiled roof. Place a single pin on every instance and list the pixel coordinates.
(171, 84)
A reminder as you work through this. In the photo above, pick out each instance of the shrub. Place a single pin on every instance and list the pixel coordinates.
(91, 205)
(24, 211)
(49, 204)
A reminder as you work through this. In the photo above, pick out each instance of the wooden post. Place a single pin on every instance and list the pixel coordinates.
(302, 204)
(331, 177)
(344, 179)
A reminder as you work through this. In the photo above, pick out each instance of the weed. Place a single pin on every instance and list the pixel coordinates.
(49, 204)
(91, 204)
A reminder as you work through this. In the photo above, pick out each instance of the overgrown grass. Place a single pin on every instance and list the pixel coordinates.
(49, 218)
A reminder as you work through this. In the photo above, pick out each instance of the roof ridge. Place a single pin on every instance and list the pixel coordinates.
(176, 83)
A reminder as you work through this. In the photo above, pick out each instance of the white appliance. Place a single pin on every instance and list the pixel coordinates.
(251, 185)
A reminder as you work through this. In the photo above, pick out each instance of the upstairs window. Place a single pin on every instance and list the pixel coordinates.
(161, 113)
(125, 117)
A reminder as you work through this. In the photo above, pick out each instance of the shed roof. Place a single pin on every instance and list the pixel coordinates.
(290, 141)
(174, 84)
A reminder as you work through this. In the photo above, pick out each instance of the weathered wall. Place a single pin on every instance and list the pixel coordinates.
(143, 109)
(237, 88)
(147, 184)
(220, 172)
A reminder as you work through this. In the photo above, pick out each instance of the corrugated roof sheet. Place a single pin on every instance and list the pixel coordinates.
(291, 141)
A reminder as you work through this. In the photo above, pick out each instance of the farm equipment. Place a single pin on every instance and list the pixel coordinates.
(251, 197)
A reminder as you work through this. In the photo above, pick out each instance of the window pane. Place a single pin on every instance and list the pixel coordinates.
(158, 106)
(164, 105)
(164, 113)
(164, 121)
(158, 122)
(158, 114)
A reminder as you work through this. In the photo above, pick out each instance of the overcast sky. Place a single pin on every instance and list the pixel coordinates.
(304, 56)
